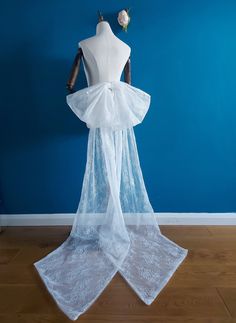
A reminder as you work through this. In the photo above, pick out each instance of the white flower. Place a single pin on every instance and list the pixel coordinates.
(123, 19)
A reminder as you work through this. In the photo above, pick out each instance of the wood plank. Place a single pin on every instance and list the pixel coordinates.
(185, 231)
(26, 299)
(33, 236)
(29, 255)
(6, 255)
(226, 231)
(210, 242)
(206, 256)
(205, 275)
(229, 297)
(17, 274)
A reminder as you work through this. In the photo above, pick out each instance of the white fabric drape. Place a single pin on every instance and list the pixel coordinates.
(115, 228)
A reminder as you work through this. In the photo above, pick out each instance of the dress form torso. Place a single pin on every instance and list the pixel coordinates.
(104, 55)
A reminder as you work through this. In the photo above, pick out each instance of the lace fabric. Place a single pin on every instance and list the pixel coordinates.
(115, 228)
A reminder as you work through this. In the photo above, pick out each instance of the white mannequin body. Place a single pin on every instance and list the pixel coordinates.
(104, 55)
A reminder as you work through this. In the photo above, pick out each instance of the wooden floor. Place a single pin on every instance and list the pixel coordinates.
(202, 290)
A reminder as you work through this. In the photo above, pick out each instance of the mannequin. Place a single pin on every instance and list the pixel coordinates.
(103, 44)
(115, 228)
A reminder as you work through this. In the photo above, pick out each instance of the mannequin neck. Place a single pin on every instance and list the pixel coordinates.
(103, 27)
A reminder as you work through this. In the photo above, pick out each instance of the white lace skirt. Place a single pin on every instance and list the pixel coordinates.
(115, 229)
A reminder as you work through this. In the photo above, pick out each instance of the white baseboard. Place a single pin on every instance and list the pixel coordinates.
(165, 218)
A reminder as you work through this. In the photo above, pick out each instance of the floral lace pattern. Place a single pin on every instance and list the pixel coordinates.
(115, 229)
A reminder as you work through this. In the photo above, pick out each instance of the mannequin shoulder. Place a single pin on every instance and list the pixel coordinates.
(87, 42)
(125, 47)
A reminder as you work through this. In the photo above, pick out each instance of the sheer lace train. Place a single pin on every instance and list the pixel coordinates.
(115, 228)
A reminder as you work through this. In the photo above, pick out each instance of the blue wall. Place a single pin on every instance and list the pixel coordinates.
(183, 54)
